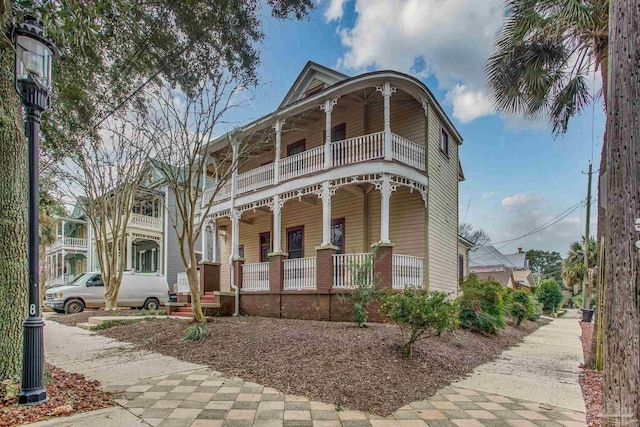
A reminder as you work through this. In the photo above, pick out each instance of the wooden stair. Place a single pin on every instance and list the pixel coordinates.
(210, 302)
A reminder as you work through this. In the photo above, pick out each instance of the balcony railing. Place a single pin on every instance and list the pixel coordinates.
(145, 222)
(73, 242)
(407, 152)
(358, 149)
(345, 152)
(299, 273)
(408, 271)
(255, 277)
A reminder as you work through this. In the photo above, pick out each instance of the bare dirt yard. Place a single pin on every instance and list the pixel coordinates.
(68, 394)
(362, 369)
(590, 380)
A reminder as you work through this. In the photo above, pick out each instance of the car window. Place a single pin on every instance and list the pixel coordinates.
(97, 280)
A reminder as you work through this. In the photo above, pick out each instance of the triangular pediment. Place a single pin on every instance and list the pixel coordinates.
(313, 78)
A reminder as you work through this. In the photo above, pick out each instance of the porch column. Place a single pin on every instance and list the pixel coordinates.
(62, 234)
(129, 252)
(204, 242)
(160, 261)
(214, 255)
(276, 162)
(326, 214)
(386, 91)
(277, 224)
(327, 107)
(235, 248)
(385, 194)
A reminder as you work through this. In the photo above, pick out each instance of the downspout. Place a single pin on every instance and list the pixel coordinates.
(234, 287)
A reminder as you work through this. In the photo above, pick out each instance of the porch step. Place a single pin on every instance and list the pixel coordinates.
(85, 325)
(181, 314)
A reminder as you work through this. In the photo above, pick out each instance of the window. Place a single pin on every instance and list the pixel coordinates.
(296, 148)
(337, 234)
(265, 246)
(295, 242)
(241, 251)
(315, 89)
(338, 133)
(460, 267)
(96, 281)
(444, 142)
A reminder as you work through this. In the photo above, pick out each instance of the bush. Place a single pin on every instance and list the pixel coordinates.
(195, 332)
(481, 305)
(420, 311)
(520, 304)
(549, 293)
(366, 290)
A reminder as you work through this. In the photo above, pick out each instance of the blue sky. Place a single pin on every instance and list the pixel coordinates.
(518, 176)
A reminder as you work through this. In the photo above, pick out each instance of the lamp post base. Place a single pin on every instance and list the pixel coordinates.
(32, 391)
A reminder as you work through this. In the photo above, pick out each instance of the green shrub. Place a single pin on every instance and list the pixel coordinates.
(195, 332)
(420, 311)
(481, 305)
(111, 323)
(537, 312)
(549, 293)
(520, 304)
(366, 290)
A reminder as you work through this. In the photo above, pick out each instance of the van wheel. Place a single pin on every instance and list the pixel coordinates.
(151, 304)
(73, 306)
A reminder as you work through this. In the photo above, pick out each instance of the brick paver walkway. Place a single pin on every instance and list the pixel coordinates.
(207, 398)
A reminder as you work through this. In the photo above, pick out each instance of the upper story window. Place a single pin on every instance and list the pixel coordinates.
(296, 147)
(314, 89)
(338, 133)
(444, 142)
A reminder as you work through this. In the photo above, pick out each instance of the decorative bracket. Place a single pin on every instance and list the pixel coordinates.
(328, 105)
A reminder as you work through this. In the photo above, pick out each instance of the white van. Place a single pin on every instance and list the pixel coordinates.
(136, 290)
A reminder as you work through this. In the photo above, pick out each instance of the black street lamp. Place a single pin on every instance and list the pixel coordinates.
(34, 53)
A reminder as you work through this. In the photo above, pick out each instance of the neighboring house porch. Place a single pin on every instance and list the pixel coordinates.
(68, 256)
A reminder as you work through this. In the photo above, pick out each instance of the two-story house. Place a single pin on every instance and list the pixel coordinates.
(354, 167)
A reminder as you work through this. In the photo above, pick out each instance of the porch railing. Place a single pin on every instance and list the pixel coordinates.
(79, 242)
(255, 277)
(358, 149)
(255, 178)
(300, 273)
(408, 271)
(146, 222)
(407, 152)
(223, 193)
(302, 163)
(351, 269)
(183, 282)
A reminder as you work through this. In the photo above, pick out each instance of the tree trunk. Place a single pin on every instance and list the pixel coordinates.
(621, 377)
(13, 215)
(194, 290)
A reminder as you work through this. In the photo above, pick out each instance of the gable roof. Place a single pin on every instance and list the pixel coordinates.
(519, 259)
(524, 278)
(488, 255)
(311, 75)
(505, 278)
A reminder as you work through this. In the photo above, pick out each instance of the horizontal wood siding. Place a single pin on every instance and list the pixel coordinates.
(443, 210)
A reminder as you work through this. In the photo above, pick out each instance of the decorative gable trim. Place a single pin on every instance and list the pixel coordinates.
(312, 75)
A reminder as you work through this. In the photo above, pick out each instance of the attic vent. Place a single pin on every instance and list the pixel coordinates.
(313, 90)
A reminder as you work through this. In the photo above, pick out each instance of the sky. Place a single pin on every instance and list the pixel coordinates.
(518, 175)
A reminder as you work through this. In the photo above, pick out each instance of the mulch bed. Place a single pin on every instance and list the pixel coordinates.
(68, 394)
(590, 380)
(362, 369)
(72, 319)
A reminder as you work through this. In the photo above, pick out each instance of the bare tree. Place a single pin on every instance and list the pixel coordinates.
(107, 171)
(182, 127)
(478, 237)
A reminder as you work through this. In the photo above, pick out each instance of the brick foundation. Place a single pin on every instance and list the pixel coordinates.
(383, 264)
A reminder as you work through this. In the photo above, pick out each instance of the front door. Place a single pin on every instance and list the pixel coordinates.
(295, 242)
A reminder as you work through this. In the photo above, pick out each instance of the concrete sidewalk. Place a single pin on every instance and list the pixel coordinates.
(544, 368)
(162, 391)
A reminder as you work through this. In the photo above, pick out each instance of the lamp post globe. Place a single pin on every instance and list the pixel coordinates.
(34, 54)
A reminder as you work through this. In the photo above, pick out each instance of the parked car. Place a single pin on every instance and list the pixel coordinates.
(136, 290)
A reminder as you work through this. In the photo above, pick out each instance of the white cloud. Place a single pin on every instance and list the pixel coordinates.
(516, 200)
(469, 105)
(335, 10)
(450, 39)
(487, 195)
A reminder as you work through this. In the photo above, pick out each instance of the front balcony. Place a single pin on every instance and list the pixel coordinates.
(69, 244)
(370, 147)
(143, 222)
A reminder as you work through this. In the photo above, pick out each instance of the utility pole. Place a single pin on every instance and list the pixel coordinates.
(585, 289)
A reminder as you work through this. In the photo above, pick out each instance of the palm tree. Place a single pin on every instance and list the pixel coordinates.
(543, 55)
(573, 265)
